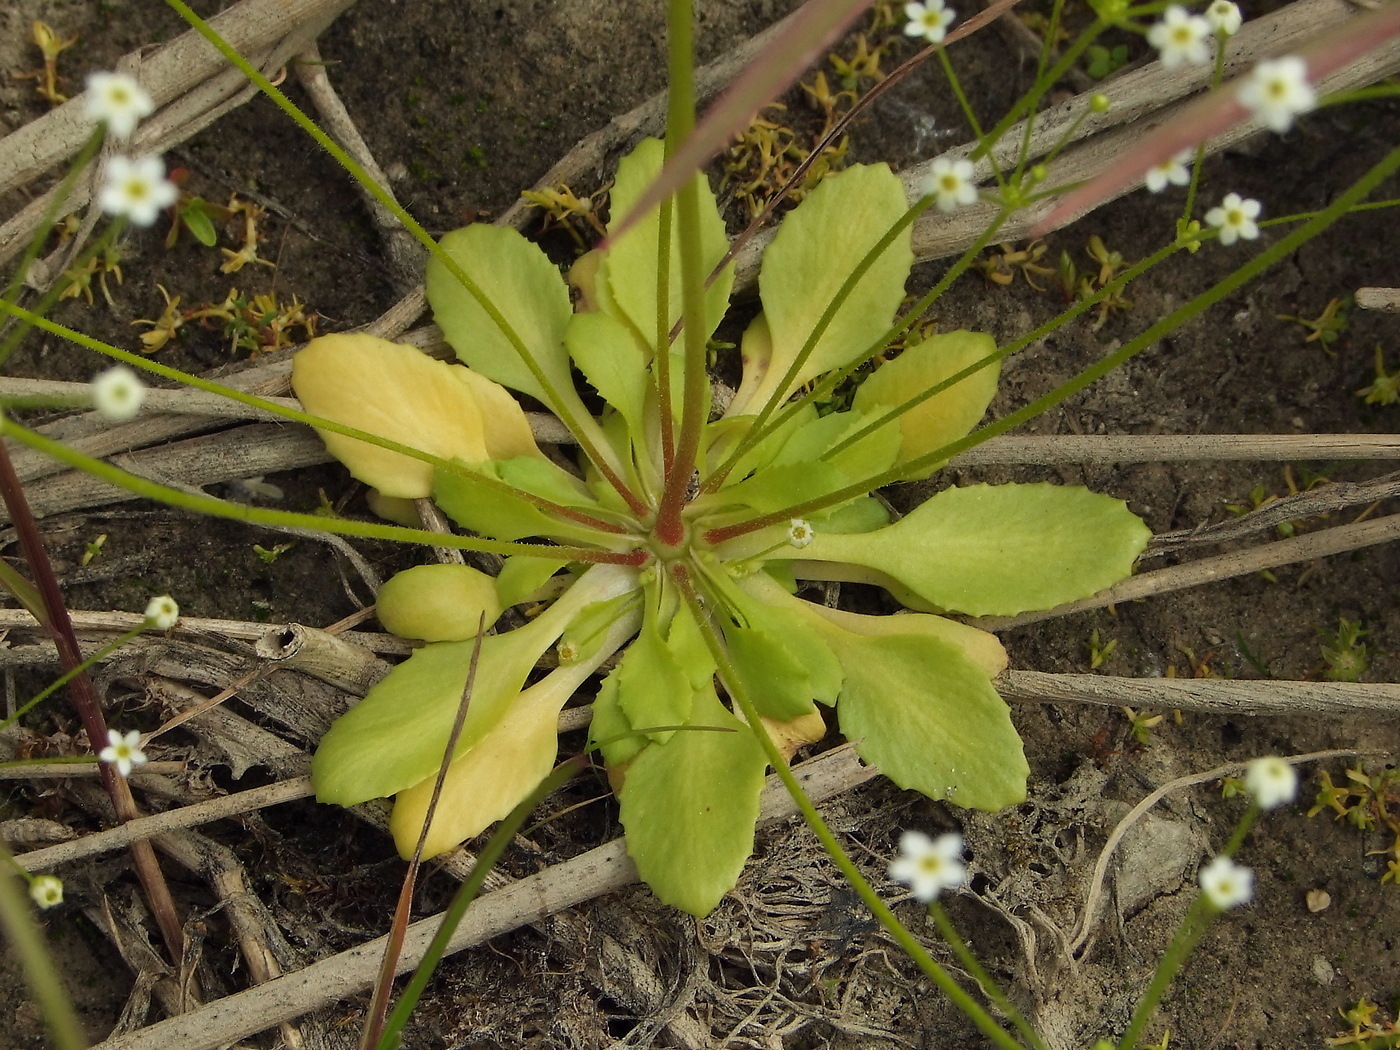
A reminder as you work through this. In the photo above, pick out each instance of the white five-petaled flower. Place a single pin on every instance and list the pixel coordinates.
(117, 393)
(46, 890)
(137, 189)
(118, 101)
(1271, 781)
(1224, 17)
(800, 533)
(1181, 38)
(1277, 91)
(930, 20)
(1234, 218)
(123, 750)
(1171, 171)
(162, 612)
(1226, 884)
(929, 866)
(950, 184)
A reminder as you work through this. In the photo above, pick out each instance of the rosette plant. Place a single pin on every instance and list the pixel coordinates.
(675, 547)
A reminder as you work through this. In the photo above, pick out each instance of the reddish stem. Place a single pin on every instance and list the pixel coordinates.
(59, 625)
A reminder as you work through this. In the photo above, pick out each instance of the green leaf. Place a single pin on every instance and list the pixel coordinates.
(946, 416)
(525, 287)
(523, 575)
(610, 359)
(438, 603)
(815, 249)
(629, 269)
(395, 736)
(397, 392)
(486, 509)
(784, 667)
(928, 717)
(484, 783)
(653, 687)
(776, 487)
(590, 628)
(611, 732)
(196, 217)
(546, 479)
(997, 549)
(690, 806)
(860, 515)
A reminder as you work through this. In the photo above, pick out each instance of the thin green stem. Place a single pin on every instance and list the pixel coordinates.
(466, 893)
(92, 661)
(970, 115)
(1063, 318)
(26, 941)
(696, 393)
(1187, 935)
(1031, 99)
(1183, 941)
(1315, 225)
(979, 974)
(581, 425)
(1023, 157)
(734, 685)
(760, 429)
(756, 430)
(46, 223)
(218, 508)
(319, 422)
(662, 353)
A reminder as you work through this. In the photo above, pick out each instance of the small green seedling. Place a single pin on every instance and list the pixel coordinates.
(80, 276)
(1385, 388)
(271, 554)
(1002, 264)
(1367, 1028)
(1326, 327)
(194, 213)
(50, 45)
(1099, 650)
(1141, 724)
(1100, 61)
(1345, 655)
(1368, 802)
(92, 549)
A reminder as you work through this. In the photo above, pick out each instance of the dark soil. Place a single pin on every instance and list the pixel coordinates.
(466, 104)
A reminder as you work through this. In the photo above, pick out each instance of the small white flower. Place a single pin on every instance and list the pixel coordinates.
(123, 750)
(161, 613)
(928, 866)
(46, 890)
(1181, 37)
(117, 393)
(950, 184)
(1271, 781)
(1224, 17)
(137, 189)
(930, 20)
(1277, 91)
(1235, 218)
(800, 533)
(1171, 171)
(116, 100)
(1226, 884)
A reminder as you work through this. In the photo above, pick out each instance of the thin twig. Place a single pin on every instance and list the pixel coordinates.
(1211, 695)
(60, 628)
(1336, 540)
(1091, 899)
